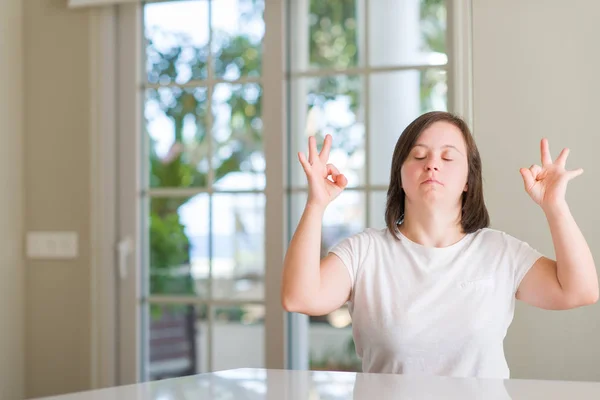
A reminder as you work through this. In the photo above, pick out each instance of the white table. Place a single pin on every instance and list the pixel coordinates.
(264, 384)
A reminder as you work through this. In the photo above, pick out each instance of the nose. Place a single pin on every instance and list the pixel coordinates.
(432, 165)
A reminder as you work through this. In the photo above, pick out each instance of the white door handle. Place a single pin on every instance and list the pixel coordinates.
(124, 248)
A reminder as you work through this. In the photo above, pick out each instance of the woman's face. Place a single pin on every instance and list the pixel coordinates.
(436, 168)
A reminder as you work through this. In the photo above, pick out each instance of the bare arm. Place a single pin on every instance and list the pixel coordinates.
(310, 285)
(572, 280)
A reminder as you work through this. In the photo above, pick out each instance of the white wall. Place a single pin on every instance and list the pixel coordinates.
(56, 178)
(536, 66)
(11, 200)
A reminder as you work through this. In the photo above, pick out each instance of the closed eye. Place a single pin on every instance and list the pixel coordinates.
(445, 159)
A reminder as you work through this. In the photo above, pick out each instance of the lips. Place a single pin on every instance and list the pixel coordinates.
(432, 181)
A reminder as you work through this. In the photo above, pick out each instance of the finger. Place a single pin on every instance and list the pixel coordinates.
(312, 149)
(562, 157)
(333, 171)
(324, 155)
(535, 170)
(545, 150)
(304, 162)
(574, 174)
(338, 178)
(528, 178)
(341, 181)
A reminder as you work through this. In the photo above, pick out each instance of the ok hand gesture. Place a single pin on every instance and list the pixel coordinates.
(321, 190)
(547, 184)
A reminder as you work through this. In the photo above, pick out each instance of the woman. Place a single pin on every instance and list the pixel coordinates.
(434, 292)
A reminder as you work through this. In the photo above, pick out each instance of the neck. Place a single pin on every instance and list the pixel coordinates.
(432, 227)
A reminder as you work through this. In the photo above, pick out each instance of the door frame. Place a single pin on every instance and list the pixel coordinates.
(118, 356)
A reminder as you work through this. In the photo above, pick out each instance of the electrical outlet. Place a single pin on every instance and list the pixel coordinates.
(52, 245)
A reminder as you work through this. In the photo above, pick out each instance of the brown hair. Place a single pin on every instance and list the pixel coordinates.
(474, 214)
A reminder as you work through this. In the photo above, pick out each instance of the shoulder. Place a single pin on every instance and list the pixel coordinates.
(358, 242)
(380, 237)
(363, 242)
(494, 236)
(366, 241)
(378, 234)
(503, 242)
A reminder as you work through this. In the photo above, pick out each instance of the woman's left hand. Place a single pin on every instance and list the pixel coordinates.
(547, 184)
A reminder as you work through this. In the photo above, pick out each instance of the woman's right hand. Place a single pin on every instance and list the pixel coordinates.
(321, 190)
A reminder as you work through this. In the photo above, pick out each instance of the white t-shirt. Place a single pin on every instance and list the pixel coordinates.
(434, 311)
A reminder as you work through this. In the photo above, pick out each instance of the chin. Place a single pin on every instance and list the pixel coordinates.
(433, 192)
(436, 198)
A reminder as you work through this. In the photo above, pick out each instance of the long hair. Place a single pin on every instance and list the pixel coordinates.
(474, 214)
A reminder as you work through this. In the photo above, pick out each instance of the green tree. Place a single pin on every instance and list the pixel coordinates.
(433, 33)
(186, 164)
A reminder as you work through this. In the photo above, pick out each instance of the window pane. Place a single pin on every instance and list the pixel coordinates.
(329, 105)
(345, 216)
(377, 209)
(407, 32)
(179, 246)
(237, 32)
(238, 158)
(176, 41)
(238, 337)
(177, 341)
(238, 228)
(396, 99)
(176, 129)
(331, 343)
(325, 34)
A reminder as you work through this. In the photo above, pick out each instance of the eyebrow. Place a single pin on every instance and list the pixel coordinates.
(446, 146)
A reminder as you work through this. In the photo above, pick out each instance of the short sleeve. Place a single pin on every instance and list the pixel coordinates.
(523, 257)
(352, 251)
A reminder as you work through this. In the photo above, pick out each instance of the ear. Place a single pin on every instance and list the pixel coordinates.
(466, 187)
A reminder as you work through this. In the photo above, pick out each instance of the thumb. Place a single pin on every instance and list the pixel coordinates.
(528, 179)
(341, 181)
(574, 173)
